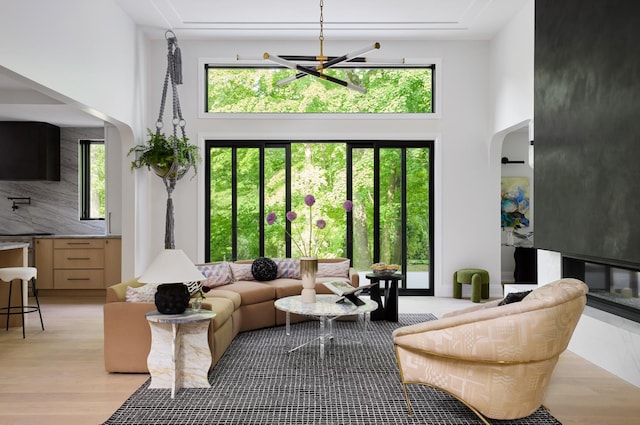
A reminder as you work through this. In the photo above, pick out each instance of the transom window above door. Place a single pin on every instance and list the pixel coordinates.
(390, 90)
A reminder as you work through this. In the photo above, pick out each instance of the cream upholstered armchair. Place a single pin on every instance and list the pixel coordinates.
(495, 359)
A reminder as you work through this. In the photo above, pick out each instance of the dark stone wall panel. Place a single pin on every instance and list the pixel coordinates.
(587, 128)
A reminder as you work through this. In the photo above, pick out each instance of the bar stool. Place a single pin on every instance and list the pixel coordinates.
(22, 274)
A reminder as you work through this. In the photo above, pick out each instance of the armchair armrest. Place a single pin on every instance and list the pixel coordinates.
(520, 332)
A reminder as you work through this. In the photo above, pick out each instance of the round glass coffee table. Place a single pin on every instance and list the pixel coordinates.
(326, 309)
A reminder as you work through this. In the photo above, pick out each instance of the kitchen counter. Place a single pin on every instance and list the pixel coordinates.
(6, 246)
(78, 237)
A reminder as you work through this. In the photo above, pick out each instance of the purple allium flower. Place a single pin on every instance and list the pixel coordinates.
(348, 205)
(309, 200)
(291, 215)
(271, 218)
(321, 224)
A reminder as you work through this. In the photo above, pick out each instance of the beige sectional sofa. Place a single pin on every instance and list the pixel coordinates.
(241, 305)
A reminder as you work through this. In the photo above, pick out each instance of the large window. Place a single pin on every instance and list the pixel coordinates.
(254, 90)
(91, 166)
(390, 184)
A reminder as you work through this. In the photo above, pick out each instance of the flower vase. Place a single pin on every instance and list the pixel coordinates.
(510, 236)
(196, 304)
(308, 270)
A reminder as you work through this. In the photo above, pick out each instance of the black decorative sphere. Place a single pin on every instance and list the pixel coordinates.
(172, 298)
(264, 269)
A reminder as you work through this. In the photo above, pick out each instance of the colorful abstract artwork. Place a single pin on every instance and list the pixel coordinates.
(514, 205)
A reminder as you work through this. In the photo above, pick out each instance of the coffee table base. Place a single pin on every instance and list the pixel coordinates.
(326, 332)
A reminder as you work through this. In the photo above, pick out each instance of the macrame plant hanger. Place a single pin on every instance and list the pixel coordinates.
(176, 171)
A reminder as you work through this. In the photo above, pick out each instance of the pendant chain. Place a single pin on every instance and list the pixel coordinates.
(321, 38)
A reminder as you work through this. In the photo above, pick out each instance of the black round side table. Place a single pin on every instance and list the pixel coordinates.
(389, 309)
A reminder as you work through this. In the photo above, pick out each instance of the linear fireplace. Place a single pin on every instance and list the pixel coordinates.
(612, 288)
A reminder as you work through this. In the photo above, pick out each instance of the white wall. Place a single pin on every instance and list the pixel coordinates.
(89, 55)
(512, 52)
(511, 81)
(462, 130)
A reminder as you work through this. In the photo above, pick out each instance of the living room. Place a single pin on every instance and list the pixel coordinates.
(486, 84)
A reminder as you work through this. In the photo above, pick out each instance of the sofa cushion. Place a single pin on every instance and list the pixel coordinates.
(286, 287)
(223, 308)
(264, 269)
(252, 292)
(333, 269)
(288, 267)
(118, 292)
(234, 297)
(241, 271)
(217, 274)
(514, 297)
(142, 294)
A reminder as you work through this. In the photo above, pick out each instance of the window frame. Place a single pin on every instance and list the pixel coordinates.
(204, 63)
(84, 177)
(350, 145)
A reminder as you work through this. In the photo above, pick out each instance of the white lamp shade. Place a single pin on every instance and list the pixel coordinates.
(171, 266)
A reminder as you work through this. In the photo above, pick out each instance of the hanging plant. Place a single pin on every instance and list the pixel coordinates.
(168, 156)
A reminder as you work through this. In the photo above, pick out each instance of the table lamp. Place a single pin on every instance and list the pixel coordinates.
(173, 271)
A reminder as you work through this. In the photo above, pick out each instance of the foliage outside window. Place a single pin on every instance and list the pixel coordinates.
(389, 184)
(92, 179)
(254, 90)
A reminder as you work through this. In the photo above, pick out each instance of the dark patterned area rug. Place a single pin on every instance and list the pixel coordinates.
(258, 382)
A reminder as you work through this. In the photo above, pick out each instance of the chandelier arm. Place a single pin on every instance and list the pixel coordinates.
(314, 72)
(332, 62)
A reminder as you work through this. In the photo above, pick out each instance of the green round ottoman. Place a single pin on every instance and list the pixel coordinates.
(477, 278)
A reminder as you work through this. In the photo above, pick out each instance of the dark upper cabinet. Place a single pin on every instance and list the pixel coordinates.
(29, 151)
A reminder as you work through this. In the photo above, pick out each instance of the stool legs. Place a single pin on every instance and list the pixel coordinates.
(476, 288)
(479, 290)
(485, 292)
(9, 304)
(22, 306)
(457, 286)
(35, 294)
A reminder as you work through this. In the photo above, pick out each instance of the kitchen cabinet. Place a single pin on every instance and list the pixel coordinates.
(78, 263)
(44, 262)
(112, 261)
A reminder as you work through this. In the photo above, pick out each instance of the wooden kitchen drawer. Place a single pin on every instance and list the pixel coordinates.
(78, 259)
(78, 243)
(78, 279)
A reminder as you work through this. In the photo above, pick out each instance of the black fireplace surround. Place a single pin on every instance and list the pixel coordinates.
(587, 178)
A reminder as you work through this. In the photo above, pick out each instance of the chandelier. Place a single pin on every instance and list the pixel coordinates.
(324, 62)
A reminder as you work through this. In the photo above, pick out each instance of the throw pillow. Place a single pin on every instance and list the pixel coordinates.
(241, 271)
(192, 287)
(288, 267)
(264, 269)
(334, 269)
(142, 294)
(514, 297)
(217, 274)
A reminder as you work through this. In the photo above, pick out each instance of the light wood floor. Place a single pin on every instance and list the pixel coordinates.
(57, 376)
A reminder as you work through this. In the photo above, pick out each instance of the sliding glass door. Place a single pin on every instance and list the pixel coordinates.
(389, 183)
(392, 223)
